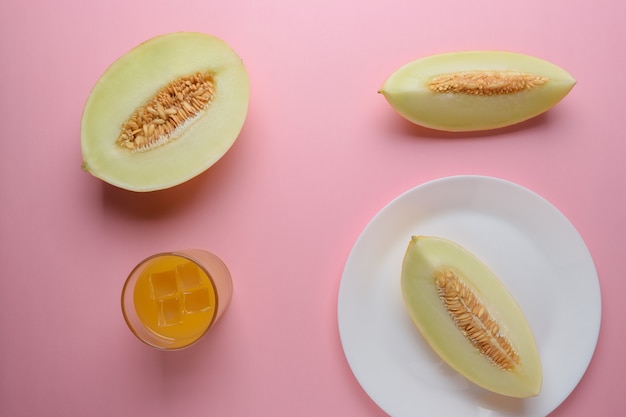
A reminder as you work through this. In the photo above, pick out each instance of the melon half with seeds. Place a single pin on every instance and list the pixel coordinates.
(164, 112)
(475, 90)
(469, 317)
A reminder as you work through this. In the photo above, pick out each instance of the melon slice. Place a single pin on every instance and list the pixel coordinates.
(164, 112)
(475, 90)
(469, 318)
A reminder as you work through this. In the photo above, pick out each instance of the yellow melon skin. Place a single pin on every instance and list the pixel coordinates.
(132, 80)
(407, 91)
(425, 256)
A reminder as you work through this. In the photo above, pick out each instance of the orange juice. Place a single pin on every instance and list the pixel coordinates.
(171, 299)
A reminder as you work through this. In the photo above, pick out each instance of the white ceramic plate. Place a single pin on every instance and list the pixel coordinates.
(525, 240)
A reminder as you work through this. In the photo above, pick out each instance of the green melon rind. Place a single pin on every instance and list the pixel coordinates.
(407, 93)
(132, 80)
(423, 257)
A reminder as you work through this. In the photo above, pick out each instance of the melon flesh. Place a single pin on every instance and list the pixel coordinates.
(407, 91)
(132, 80)
(427, 256)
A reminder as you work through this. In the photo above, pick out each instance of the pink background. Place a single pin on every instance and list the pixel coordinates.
(320, 154)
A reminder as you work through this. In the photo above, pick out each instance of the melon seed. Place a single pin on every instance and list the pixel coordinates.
(474, 321)
(154, 123)
(485, 83)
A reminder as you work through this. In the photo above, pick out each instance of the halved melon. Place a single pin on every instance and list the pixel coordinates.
(469, 318)
(164, 112)
(475, 90)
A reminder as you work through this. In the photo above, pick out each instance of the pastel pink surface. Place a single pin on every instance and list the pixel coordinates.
(321, 152)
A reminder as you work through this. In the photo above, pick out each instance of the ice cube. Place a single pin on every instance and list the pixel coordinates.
(170, 311)
(189, 275)
(163, 284)
(197, 301)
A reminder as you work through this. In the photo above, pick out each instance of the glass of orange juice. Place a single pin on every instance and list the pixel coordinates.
(171, 299)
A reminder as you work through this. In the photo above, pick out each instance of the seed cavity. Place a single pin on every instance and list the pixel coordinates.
(485, 83)
(157, 121)
(473, 319)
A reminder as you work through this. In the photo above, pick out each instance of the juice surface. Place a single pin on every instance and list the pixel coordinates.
(174, 299)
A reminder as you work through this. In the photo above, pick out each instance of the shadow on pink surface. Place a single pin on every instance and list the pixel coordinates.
(167, 202)
(404, 127)
(155, 204)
